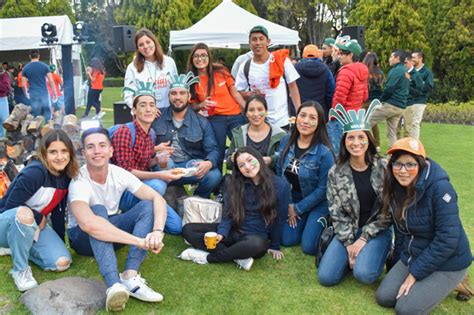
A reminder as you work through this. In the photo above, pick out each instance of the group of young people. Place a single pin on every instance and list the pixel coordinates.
(280, 188)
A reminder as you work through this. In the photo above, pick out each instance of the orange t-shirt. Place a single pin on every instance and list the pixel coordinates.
(97, 82)
(226, 104)
(57, 82)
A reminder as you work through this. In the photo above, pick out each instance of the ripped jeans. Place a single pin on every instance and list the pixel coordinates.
(19, 238)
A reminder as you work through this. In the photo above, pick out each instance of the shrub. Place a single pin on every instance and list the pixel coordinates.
(450, 112)
(113, 82)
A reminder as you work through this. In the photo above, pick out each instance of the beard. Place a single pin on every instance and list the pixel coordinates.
(178, 109)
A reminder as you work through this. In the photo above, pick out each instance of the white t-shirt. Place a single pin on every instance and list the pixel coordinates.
(151, 73)
(83, 188)
(277, 99)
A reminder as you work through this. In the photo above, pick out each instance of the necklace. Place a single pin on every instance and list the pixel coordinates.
(358, 168)
(152, 77)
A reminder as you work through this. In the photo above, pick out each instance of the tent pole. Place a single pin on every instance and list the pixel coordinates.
(68, 78)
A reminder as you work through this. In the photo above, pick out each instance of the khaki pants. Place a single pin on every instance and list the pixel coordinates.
(413, 116)
(391, 114)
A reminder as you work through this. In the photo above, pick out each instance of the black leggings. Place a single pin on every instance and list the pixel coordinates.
(93, 99)
(235, 246)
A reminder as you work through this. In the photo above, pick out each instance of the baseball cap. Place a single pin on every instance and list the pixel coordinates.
(329, 41)
(352, 46)
(259, 29)
(311, 51)
(410, 145)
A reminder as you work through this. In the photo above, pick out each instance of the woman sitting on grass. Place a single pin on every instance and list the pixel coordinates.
(258, 133)
(255, 207)
(355, 186)
(430, 240)
(305, 158)
(39, 190)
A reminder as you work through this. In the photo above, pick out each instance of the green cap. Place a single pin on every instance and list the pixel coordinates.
(143, 88)
(352, 46)
(182, 81)
(329, 41)
(259, 29)
(52, 68)
(353, 120)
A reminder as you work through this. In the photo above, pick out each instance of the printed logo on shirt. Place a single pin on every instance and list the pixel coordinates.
(447, 197)
(161, 82)
(221, 83)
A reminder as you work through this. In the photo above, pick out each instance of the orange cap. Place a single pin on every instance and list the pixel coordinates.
(409, 145)
(312, 51)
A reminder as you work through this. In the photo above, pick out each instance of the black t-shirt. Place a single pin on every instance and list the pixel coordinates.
(366, 194)
(261, 146)
(292, 171)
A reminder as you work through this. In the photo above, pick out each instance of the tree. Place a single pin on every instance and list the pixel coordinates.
(59, 7)
(391, 25)
(20, 8)
(207, 6)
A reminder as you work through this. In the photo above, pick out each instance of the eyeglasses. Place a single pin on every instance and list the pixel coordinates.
(410, 166)
(202, 57)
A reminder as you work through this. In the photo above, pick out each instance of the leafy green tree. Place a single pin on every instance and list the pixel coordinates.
(390, 25)
(207, 6)
(59, 7)
(20, 8)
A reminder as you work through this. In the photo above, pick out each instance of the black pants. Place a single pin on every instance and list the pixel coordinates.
(93, 100)
(235, 246)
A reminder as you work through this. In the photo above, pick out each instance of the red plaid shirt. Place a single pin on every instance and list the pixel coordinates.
(128, 158)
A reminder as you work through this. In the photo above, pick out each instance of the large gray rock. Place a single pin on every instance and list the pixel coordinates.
(71, 295)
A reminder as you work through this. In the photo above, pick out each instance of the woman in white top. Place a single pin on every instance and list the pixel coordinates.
(149, 65)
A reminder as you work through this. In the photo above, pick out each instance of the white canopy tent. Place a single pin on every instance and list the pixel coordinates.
(228, 26)
(19, 35)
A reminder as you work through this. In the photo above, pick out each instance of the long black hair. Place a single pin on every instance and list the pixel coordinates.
(394, 193)
(235, 189)
(370, 154)
(320, 135)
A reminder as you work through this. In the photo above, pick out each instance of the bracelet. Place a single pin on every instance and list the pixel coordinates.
(157, 230)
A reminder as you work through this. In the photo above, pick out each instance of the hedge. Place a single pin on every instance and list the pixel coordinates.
(451, 113)
(113, 82)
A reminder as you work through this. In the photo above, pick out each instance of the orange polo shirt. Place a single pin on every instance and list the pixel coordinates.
(226, 104)
(97, 82)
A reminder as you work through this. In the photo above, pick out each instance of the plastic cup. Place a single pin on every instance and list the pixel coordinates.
(211, 108)
(210, 240)
(163, 158)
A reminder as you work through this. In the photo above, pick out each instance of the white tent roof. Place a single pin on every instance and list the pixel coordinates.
(25, 33)
(228, 26)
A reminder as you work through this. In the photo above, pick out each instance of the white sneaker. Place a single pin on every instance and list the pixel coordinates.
(137, 287)
(196, 255)
(5, 251)
(117, 297)
(100, 115)
(245, 264)
(24, 279)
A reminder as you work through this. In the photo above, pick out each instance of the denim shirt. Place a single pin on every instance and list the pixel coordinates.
(313, 173)
(196, 136)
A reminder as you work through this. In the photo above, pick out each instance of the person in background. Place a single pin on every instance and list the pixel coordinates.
(96, 75)
(149, 65)
(376, 81)
(58, 82)
(304, 159)
(430, 241)
(5, 91)
(254, 211)
(216, 95)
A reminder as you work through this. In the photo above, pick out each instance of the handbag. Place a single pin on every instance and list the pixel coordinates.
(325, 238)
(201, 210)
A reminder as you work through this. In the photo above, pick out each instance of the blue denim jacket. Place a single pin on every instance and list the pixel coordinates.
(196, 136)
(313, 173)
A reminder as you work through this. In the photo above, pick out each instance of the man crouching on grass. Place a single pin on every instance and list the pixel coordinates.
(96, 224)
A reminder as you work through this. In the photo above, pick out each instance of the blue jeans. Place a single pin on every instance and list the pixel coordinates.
(19, 238)
(368, 266)
(307, 230)
(40, 106)
(173, 223)
(137, 221)
(207, 184)
(4, 112)
(222, 126)
(335, 134)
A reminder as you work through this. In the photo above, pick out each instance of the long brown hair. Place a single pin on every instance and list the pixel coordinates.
(96, 64)
(139, 60)
(72, 168)
(236, 190)
(211, 69)
(320, 136)
(394, 193)
(344, 155)
(371, 60)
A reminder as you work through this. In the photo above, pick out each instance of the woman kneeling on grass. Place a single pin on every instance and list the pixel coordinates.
(39, 190)
(255, 207)
(355, 186)
(430, 240)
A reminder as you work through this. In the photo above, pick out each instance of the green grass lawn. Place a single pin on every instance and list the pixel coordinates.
(271, 287)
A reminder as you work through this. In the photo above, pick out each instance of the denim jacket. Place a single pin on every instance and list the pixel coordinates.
(196, 136)
(313, 173)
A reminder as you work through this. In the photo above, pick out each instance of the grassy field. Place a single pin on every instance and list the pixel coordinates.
(286, 287)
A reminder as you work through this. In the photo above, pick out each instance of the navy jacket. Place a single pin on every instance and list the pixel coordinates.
(196, 136)
(254, 224)
(316, 82)
(432, 237)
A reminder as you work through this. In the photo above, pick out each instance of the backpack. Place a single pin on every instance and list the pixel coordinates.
(131, 126)
(325, 238)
